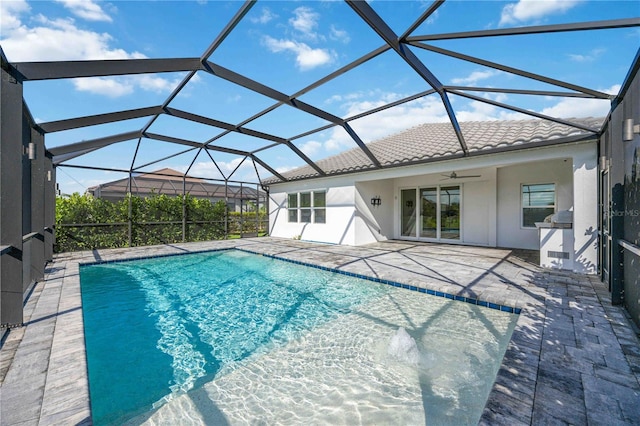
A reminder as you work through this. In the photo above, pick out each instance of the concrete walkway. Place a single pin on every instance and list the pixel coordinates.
(573, 358)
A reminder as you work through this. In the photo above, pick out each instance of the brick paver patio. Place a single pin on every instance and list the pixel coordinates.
(573, 358)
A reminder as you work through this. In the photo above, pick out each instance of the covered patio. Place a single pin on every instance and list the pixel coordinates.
(573, 357)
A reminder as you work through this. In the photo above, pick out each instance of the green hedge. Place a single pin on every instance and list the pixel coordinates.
(84, 222)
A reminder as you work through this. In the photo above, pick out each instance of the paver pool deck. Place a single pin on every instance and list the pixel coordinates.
(573, 357)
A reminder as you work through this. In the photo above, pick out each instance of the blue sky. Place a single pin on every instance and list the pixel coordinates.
(288, 45)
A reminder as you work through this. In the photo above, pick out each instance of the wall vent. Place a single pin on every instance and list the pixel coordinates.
(558, 254)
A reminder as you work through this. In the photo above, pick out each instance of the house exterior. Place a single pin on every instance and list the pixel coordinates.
(516, 174)
(170, 182)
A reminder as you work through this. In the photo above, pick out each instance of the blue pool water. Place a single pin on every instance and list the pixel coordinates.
(163, 334)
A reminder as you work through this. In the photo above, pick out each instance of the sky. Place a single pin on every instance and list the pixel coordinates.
(288, 45)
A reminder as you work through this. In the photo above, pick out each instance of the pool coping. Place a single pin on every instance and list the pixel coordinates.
(59, 390)
(470, 300)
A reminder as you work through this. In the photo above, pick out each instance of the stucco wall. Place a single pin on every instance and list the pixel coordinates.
(373, 223)
(340, 219)
(509, 228)
(491, 203)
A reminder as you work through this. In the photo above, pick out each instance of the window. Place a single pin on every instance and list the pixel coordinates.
(307, 207)
(319, 207)
(292, 205)
(538, 202)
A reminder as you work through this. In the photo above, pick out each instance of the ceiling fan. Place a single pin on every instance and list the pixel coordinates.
(454, 175)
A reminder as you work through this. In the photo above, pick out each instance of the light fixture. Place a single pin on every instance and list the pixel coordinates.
(31, 151)
(604, 163)
(376, 201)
(629, 129)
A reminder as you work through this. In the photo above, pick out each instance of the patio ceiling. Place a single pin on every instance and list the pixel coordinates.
(406, 46)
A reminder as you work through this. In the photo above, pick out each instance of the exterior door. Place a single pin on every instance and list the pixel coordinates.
(450, 212)
(431, 213)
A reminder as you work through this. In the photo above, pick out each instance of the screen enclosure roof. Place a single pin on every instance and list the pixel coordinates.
(251, 91)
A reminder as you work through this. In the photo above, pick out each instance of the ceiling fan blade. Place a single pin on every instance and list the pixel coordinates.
(468, 176)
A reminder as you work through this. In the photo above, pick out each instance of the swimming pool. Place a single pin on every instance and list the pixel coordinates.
(235, 337)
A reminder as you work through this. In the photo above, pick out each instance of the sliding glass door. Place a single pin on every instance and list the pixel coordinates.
(408, 212)
(450, 212)
(431, 213)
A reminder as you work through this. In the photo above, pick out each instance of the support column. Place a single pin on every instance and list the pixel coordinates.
(585, 210)
(226, 209)
(49, 208)
(11, 153)
(257, 210)
(184, 208)
(130, 213)
(242, 204)
(37, 207)
(27, 232)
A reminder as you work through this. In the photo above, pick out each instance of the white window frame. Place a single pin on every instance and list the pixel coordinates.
(312, 207)
(522, 206)
(290, 209)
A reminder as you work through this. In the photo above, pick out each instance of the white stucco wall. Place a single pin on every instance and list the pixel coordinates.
(491, 204)
(479, 213)
(585, 216)
(373, 223)
(510, 179)
(340, 219)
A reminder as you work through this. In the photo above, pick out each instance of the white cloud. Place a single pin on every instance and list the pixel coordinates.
(425, 110)
(282, 169)
(86, 9)
(345, 97)
(589, 57)
(474, 77)
(10, 12)
(62, 40)
(433, 17)
(383, 123)
(265, 17)
(578, 107)
(339, 35)
(305, 20)
(306, 56)
(155, 84)
(103, 86)
(114, 87)
(311, 148)
(530, 10)
(206, 169)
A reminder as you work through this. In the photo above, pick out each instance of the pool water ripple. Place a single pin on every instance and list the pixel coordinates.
(244, 339)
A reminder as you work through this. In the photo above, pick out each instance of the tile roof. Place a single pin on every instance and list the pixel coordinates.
(169, 182)
(432, 141)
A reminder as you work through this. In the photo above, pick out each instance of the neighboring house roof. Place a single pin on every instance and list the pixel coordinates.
(169, 182)
(438, 141)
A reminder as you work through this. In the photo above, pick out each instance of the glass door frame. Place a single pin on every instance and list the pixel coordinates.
(417, 226)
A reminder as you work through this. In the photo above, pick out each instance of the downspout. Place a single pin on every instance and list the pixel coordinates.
(184, 208)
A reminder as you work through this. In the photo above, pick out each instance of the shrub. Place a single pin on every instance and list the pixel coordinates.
(84, 222)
